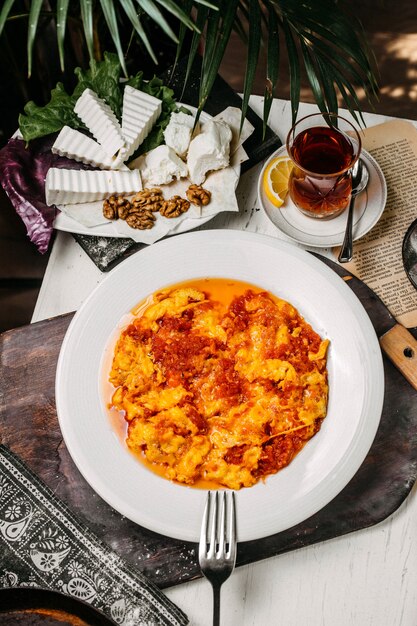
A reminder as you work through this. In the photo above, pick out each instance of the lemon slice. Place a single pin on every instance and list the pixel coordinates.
(275, 180)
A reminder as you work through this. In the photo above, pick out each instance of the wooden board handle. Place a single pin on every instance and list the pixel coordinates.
(401, 348)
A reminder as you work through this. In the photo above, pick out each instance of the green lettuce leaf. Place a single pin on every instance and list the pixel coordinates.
(103, 77)
(40, 121)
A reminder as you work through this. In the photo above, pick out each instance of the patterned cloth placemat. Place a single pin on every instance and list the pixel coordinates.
(42, 544)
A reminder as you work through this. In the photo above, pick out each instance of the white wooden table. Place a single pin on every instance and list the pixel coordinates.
(367, 578)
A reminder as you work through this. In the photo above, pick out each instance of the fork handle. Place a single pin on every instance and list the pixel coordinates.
(216, 605)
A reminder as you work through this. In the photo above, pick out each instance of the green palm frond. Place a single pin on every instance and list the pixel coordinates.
(149, 7)
(254, 46)
(322, 39)
(111, 20)
(219, 27)
(333, 49)
(132, 14)
(294, 68)
(200, 20)
(86, 7)
(4, 13)
(272, 63)
(35, 9)
(61, 25)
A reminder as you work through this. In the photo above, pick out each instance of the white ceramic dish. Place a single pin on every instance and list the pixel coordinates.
(321, 469)
(309, 231)
(68, 224)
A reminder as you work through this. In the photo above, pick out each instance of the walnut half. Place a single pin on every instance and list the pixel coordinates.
(141, 220)
(151, 199)
(198, 195)
(115, 207)
(174, 207)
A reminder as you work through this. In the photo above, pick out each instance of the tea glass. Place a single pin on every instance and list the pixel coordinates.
(323, 154)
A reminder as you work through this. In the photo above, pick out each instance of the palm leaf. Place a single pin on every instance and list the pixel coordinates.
(342, 65)
(315, 84)
(330, 43)
(349, 97)
(35, 9)
(327, 85)
(86, 7)
(111, 20)
(201, 18)
(254, 44)
(4, 13)
(243, 9)
(319, 34)
(294, 68)
(61, 23)
(240, 29)
(210, 5)
(331, 23)
(131, 12)
(216, 41)
(172, 7)
(155, 14)
(272, 64)
(336, 38)
(182, 32)
(212, 28)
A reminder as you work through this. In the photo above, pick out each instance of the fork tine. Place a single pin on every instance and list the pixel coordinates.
(222, 527)
(217, 547)
(204, 529)
(213, 535)
(232, 530)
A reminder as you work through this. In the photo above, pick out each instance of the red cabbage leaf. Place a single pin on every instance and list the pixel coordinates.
(22, 175)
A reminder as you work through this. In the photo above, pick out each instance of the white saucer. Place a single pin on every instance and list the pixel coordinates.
(310, 231)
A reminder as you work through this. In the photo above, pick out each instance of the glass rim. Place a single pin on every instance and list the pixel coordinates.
(323, 116)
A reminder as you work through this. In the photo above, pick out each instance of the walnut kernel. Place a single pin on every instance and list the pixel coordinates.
(198, 195)
(151, 199)
(116, 206)
(142, 219)
(174, 207)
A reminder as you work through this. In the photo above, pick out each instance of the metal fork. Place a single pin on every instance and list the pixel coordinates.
(217, 549)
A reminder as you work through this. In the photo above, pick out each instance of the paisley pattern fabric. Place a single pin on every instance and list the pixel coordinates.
(42, 544)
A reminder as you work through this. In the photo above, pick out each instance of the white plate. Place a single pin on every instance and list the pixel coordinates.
(320, 470)
(310, 231)
(67, 224)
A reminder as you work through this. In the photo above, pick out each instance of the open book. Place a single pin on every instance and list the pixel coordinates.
(377, 257)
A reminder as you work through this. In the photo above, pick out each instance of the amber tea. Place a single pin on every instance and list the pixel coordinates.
(323, 150)
(320, 184)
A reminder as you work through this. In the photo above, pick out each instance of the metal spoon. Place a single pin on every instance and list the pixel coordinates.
(360, 178)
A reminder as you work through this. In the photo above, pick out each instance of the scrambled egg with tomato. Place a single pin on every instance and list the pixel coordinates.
(225, 394)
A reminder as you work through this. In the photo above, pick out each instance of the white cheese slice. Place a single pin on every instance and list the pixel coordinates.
(178, 132)
(232, 117)
(140, 112)
(134, 97)
(63, 186)
(161, 166)
(101, 121)
(75, 145)
(210, 150)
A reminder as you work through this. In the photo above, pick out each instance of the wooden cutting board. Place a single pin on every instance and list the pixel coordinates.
(29, 426)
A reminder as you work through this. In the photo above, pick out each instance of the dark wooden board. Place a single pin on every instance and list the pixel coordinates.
(29, 426)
